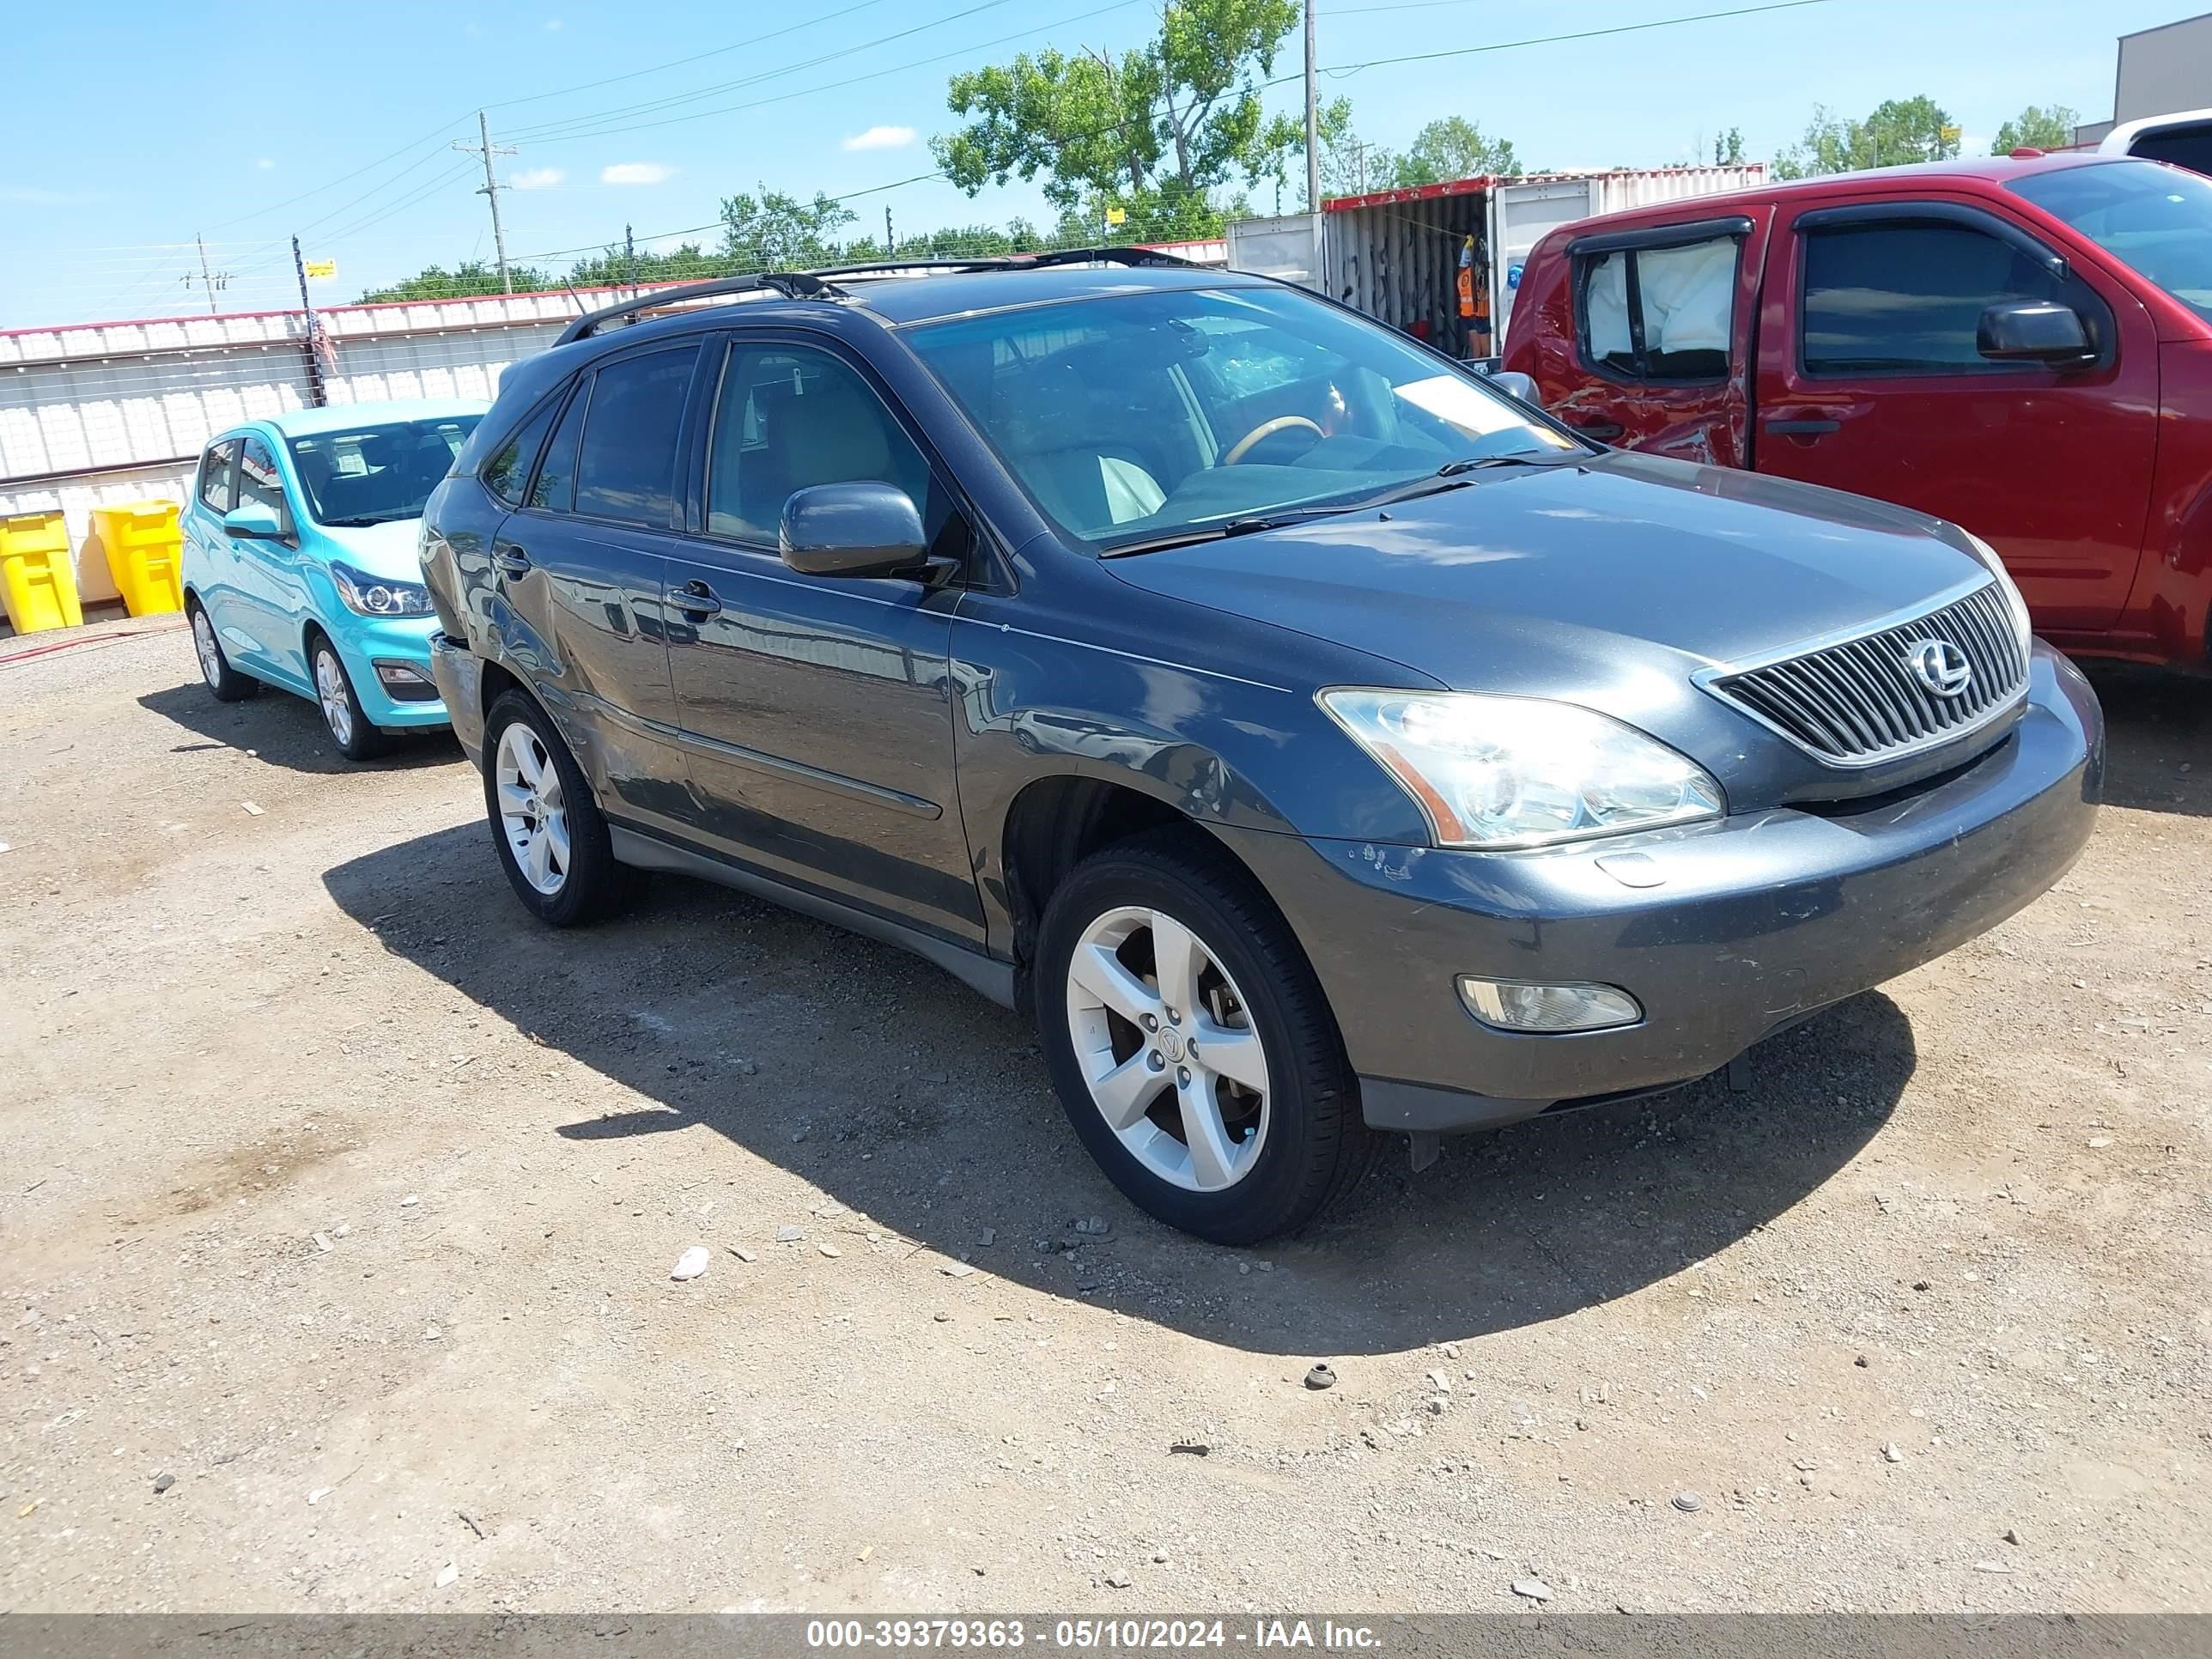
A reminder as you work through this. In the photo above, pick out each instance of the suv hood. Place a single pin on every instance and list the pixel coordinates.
(1606, 584)
(1632, 559)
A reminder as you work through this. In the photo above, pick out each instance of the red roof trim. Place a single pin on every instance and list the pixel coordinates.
(325, 311)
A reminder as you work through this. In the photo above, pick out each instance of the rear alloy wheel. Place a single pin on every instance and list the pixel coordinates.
(550, 837)
(1190, 1043)
(350, 728)
(226, 682)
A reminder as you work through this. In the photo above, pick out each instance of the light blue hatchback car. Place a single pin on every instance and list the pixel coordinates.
(301, 569)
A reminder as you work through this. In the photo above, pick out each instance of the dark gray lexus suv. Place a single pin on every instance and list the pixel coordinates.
(1314, 738)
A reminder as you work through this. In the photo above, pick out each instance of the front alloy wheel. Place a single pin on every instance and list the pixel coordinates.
(1190, 1043)
(1168, 1050)
(350, 728)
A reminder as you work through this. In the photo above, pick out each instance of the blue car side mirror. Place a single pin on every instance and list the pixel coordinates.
(253, 522)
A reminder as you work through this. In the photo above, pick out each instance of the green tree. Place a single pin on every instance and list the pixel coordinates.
(1150, 131)
(1727, 148)
(617, 268)
(775, 231)
(475, 277)
(1455, 147)
(2040, 126)
(1899, 132)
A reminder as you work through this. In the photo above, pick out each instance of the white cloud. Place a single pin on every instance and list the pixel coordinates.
(264, 164)
(537, 179)
(552, 25)
(33, 196)
(881, 138)
(636, 173)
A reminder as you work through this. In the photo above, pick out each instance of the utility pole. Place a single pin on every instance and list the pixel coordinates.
(491, 190)
(890, 247)
(211, 280)
(629, 253)
(1313, 121)
(315, 392)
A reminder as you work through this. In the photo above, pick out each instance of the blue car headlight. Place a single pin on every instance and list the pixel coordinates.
(376, 596)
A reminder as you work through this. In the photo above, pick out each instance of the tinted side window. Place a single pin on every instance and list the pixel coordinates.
(1661, 313)
(506, 473)
(556, 487)
(260, 484)
(1908, 299)
(788, 418)
(217, 471)
(626, 468)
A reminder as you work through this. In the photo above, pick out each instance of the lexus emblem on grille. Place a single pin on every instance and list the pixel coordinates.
(1941, 667)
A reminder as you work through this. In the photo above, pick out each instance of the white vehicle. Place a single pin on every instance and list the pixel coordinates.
(2183, 138)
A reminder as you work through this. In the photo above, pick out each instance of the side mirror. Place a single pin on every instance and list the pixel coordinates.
(1514, 384)
(253, 523)
(852, 530)
(2034, 331)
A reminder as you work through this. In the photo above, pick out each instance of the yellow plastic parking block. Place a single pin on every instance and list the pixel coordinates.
(145, 552)
(35, 573)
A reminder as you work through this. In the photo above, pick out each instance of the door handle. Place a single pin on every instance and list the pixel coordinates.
(1596, 427)
(510, 560)
(694, 599)
(1802, 428)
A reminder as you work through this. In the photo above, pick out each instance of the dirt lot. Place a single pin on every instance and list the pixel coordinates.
(344, 1197)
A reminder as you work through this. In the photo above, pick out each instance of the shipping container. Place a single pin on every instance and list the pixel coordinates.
(1397, 254)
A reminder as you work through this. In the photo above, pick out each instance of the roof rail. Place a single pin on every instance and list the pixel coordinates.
(792, 285)
(888, 267)
(1050, 257)
(1109, 256)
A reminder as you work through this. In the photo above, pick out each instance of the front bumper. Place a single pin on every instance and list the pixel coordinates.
(1755, 921)
(365, 642)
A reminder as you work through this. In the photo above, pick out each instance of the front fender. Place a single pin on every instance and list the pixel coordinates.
(1214, 717)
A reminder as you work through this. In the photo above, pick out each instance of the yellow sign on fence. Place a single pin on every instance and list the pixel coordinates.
(322, 267)
(1116, 216)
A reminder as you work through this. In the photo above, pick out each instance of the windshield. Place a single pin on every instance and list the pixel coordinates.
(375, 474)
(2155, 219)
(1143, 416)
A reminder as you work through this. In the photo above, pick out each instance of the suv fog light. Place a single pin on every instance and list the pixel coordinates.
(1516, 1006)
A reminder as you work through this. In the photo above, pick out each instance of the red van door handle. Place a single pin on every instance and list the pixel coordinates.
(1596, 427)
(1802, 428)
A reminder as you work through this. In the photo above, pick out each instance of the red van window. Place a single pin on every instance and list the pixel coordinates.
(1659, 313)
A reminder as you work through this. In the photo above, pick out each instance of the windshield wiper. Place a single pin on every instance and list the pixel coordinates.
(1239, 526)
(364, 520)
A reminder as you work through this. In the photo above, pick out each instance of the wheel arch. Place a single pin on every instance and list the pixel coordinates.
(1055, 823)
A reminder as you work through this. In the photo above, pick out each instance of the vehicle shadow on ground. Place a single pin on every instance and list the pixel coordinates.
(2158, 738)
(906, 1097)
(283, 730)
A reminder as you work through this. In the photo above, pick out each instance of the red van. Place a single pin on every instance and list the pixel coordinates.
(2021, 347)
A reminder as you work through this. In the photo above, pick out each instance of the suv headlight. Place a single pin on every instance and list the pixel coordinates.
(1497, 772)
(2010, 589)
(374, 596)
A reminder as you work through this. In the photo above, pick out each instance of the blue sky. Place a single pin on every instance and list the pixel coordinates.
(337, 122)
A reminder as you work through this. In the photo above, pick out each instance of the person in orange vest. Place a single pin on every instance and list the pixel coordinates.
(1473, 302)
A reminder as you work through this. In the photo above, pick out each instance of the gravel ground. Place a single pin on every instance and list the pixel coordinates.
(340, 1205)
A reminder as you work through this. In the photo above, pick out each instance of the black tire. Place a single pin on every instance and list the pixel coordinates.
(227, 684)
(357, 737)
(592, 881)
(1317, 1145)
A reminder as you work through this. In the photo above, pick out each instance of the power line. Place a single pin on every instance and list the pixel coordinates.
(678, 62)
(568, 126)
